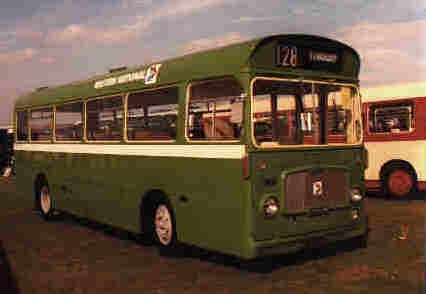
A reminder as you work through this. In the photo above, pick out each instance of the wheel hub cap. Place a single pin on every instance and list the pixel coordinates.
(400, 183)
(45, 200)
(163, 224)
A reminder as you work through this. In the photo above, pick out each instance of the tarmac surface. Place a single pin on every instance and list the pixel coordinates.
(72, 255)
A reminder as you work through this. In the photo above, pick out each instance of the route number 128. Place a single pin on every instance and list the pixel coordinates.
(288, 56)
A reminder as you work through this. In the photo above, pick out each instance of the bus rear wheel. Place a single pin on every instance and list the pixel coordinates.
(45, 202)
(399, 181)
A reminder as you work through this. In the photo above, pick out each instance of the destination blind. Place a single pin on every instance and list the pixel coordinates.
(318, 59)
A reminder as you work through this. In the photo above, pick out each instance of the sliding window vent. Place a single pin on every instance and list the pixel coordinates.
(117, 69)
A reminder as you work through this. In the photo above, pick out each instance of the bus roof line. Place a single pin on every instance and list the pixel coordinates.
(236, 59)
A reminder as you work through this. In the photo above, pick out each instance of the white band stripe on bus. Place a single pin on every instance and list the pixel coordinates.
(194, 151)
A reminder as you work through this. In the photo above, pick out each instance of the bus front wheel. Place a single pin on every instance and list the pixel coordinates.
(399, 181)
(164, 225)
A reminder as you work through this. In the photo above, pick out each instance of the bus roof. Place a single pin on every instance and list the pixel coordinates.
(234, 59)
(394, 92)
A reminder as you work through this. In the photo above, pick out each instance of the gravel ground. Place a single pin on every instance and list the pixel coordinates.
(77, 256)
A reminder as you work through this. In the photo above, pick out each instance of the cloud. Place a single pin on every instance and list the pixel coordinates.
(248, 19)
(129, 31)
(113, 36)
(47, 60)
(205, 44)
(371, 35)
(27, 32)
(106, 36)
(173, 8)
(70, 33)
(390, 53)
(185, 7)
(9, 92)
(113, 24)
(142, 24)
(17, 57)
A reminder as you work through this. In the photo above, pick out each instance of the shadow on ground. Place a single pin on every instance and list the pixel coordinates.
(270, 263)
(421, 195)
(260, 265)
(8, 282)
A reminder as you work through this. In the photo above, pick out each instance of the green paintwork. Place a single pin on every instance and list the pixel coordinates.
(281, 162)
(110, 189)
(222, 211)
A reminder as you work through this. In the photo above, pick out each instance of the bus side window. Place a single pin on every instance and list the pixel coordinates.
(215, 110)
(152, 115)
(104, 118)
(69, 124)
(22, 126)
(41, 124)
(392, 118)
(196, 130)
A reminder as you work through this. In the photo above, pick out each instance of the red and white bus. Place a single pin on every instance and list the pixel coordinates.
(395, 138)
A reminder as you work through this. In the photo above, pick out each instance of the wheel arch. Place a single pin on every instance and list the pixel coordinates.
(39, 180)
(147, 204)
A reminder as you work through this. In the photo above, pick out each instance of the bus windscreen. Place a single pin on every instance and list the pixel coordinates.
(309, 113)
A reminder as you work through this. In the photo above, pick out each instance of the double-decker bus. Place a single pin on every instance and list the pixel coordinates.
(395, 137)
(252, 149)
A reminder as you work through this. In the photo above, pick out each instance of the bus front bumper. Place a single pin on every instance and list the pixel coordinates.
(278, 246)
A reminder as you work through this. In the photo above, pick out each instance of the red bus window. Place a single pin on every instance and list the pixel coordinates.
(392, 118)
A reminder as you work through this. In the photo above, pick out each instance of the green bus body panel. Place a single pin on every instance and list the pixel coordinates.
(110, 188)
(222, 212)
(255, 55)
(281, 161)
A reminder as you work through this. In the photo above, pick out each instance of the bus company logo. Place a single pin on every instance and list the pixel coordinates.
(148, 75)
(152, 74)
(317, 189)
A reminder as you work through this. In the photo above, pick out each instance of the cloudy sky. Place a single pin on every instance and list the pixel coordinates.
(49, 42)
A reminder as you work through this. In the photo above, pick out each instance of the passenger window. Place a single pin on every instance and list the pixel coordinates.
(152, 115)
(22, 124)
(392, 118)
(69, 122)
(215, 110)
(105, 119)
(41, 124)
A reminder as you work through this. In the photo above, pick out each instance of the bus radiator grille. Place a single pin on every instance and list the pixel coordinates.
(313, 189)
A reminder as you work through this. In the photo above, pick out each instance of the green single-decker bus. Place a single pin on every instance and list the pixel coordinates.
(252, 149)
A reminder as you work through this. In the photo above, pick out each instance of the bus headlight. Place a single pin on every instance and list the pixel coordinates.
(356, 195)
(355, 214)
(271, 207)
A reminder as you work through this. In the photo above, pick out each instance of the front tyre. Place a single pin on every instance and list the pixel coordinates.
(7, 172)
(361, 241)
(164, 227)
(45, 202)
